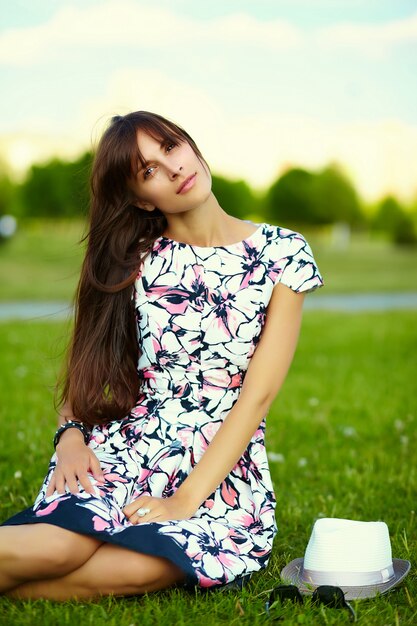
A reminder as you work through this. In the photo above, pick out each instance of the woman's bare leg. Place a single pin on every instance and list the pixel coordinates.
(110, 570)
(38, 551)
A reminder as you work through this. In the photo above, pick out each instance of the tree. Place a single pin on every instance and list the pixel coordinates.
(392, 219)
(235, 197)
(335, 197)
(7, 194)
(303, 197)
(290, 198)
(57, 188)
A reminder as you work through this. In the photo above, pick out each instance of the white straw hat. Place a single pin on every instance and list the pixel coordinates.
(355, 556)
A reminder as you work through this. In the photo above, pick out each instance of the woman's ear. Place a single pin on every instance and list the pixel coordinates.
(141, 204)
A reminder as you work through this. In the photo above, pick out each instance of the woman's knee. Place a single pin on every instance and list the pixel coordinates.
(140, 572)
(121, 571)
(51, 549)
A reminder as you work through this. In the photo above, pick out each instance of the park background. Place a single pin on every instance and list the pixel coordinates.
(306, 112)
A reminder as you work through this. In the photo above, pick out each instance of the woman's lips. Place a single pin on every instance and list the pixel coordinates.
(188, 183)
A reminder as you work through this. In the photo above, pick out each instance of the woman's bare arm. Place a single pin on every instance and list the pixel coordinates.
(265, 375)
(75, 460)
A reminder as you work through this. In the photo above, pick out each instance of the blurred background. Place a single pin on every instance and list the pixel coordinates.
(305, 110)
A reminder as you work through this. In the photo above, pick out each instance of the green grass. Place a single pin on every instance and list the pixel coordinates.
(344, 430)
(367, 265)
(42, 262)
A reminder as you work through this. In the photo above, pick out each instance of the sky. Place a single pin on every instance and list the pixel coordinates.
(261, 85)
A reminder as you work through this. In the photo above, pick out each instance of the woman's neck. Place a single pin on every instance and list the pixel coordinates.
(207, 225)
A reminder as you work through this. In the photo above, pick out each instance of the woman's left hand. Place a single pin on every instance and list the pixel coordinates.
(160, 509)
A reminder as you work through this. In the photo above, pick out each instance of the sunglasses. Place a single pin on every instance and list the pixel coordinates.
(325, 594)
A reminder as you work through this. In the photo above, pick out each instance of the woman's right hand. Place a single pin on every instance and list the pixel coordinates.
(75, 460)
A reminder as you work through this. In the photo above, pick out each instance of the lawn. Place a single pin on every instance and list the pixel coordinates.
(341, 437)
(42, 263)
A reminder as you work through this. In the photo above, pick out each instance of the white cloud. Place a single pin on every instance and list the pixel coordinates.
(137, 25)
(378, 156)
(374, 40)
(19, 150)
(149, 90)
(243, 28)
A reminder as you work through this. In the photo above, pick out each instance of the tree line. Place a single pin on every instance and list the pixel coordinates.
(297, 198)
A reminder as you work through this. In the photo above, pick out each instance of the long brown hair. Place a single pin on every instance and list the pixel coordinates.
(100, 381)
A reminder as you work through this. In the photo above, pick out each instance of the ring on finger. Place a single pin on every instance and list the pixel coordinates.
(142, 512)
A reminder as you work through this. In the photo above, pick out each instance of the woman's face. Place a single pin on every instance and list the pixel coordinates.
(167, 167)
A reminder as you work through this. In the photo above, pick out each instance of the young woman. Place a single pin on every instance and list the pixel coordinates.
(186, 323)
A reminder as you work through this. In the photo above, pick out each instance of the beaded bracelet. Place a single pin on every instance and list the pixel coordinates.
(72, 424)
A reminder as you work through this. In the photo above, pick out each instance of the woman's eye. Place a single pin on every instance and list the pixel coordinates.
(145, 173)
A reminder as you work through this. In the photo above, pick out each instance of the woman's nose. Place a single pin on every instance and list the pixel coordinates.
(176, 171)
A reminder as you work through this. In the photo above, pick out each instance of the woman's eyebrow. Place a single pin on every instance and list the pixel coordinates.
(162, 144)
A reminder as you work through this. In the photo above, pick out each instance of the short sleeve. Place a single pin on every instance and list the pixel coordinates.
(300, 271)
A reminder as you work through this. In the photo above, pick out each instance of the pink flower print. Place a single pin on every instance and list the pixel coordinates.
(99, 523)
(227, 313)
(216, 377)
(259, 552)
(97, 438)
(244, 518)
(118, 518)
(176, 300)
(229, 494)
(207, 582)
(167, 348)
(178, 479)
(244, 464)
(235, 381)
(253, 271)
(193, 282)
(247, 520)
(205, 545)
(305, 271)
(209, 429)
(181, 390)
(199, 291)
(163, 246)
(223, 568)
(274, 269)
(50, 507)
(185, 436)
(143, 476)
(225, 320)
(166, 466)
(227, 560)
(99, 434)
(200, 445)
(236, 539)
(115, 478)
(148, 377)
(165, 292)
(141, 408)
(202, 436)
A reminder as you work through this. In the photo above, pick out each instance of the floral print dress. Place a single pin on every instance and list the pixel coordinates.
(200, 313)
